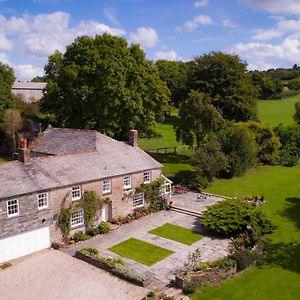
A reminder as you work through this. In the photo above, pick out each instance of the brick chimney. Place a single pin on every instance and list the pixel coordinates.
(24, 152)
(133, 137)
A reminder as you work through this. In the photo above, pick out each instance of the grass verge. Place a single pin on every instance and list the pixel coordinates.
(177, 233)
(140, 251)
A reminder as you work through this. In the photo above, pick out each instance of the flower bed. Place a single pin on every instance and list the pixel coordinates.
(115, 267)
(208, 276)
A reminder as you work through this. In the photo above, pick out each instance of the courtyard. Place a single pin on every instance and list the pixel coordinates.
(163, 270)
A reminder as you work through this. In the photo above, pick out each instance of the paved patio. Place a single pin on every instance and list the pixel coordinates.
(163, 271)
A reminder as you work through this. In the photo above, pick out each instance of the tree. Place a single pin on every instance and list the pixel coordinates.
(294, 84)
(239, 147)
(38, 79)
(289, 137)
(268, 87)
(224, 78)
(297, 113)
(101, 83)
(208, 159)
(13, 123)
(7, 99)
(267, 143)
(197, 117)
(175, 74)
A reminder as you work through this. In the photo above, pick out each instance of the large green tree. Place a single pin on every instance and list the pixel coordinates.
(225, 79)
(175, 74)
(7, 99)
(102, 83)
(268, 87)
(197, 118)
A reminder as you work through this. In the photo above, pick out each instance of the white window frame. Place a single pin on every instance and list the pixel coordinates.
(138, 200)
(127, 182)
(77, 218)
(147, 175)
(76, 189)
(106, 186)
(44, 199)
(8, 205)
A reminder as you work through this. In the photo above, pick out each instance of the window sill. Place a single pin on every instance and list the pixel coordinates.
(77, 226)
(13, 216)
(142, 205)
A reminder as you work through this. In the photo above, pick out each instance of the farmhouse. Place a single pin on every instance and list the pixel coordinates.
(60, 166)
(29, 91)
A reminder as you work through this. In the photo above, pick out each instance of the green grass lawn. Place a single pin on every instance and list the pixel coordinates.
(177, 233)
(274, 112)
(280, 279)
(140, 251)
(4, 159)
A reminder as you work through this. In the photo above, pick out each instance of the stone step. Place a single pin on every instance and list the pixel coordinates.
(186, 211)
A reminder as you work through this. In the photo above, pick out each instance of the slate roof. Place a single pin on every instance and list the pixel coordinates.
(65, 141)
(29, 85)
(109, 158)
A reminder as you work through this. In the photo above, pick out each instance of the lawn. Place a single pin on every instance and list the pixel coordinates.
(177, 233)
(4, 159)
(140, 251)
(274, 112)
(280, 279)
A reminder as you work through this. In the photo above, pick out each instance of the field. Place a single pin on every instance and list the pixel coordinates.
(281, 278)
(274, 112)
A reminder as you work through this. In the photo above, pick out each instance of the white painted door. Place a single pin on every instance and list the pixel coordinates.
(24, 243)
(104, 213)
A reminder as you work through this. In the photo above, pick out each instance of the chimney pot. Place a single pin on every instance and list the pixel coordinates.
(24, 152)
(133, 137)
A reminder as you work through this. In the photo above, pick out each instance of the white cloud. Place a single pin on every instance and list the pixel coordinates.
(201, 3)
(168, 55)
(5, 43)
(110, 14)
(192, 25)
(260, 65)
(227, 23)
(40, 35)
(146, 37)
(4, 59)
(27, 72)
(276, 6)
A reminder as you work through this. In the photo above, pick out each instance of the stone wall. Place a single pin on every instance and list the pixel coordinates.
(31, 218)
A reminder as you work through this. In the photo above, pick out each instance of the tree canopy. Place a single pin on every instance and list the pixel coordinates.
(101, 83)
(175, 74)
(224, 78)
(197, 117)
(7, 99)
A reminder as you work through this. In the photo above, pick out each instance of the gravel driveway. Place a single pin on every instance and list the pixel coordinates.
(51, 274)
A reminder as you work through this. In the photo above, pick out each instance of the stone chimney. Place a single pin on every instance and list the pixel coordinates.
(133, 137)
(24, 152)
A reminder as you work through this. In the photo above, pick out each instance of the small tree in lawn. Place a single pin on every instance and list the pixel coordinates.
(197, 117)
(297, 113)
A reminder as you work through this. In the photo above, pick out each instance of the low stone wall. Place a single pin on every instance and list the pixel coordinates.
(209, 276)
(143, 281)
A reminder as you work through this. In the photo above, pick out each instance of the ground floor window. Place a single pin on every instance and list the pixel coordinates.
(138, 200)
(77, 218)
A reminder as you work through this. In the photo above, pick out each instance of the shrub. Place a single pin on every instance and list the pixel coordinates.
(203, 266)
(80, 236)
(89, 251)
(234, 216)
(128, 274)
(92, 231)
(189, 288)
(103, 227)
(244, 259)
(225, 262)
(193, 261)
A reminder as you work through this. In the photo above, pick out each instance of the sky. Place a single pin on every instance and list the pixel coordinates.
(264, 33)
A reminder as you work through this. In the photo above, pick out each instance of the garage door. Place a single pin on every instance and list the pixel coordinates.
(24, 243)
